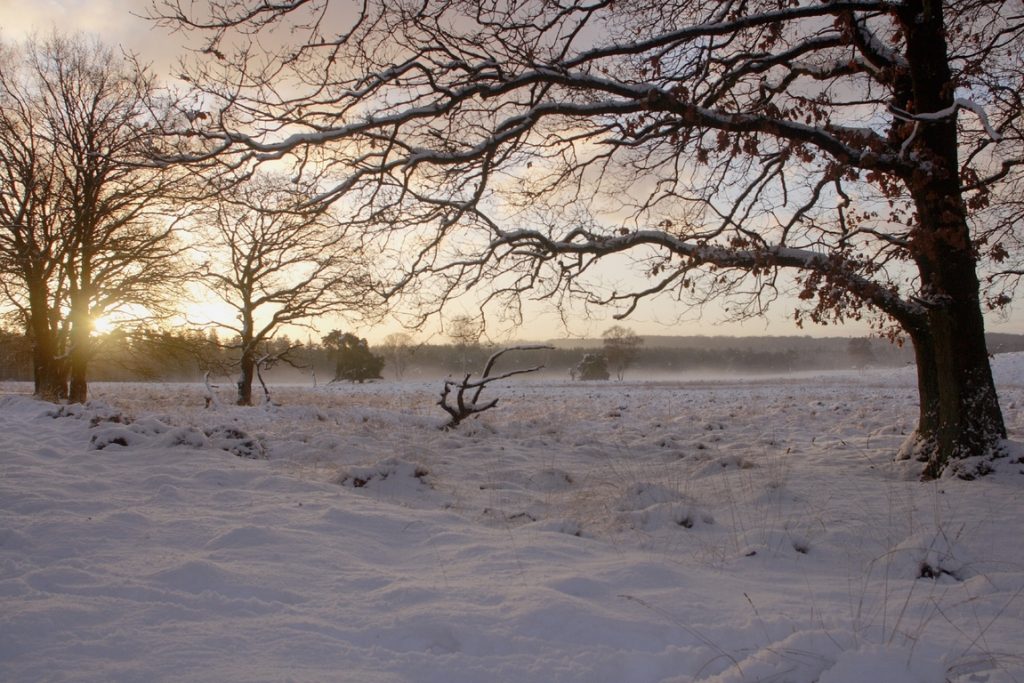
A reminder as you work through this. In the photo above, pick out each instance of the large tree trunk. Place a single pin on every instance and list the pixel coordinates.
(960, 426)
(247, 363)
(81, 349)
(78, 387)
(49, 384)
(248, 371)
(48, 369)
(961, 423)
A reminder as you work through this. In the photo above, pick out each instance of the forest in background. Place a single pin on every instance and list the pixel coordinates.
(187, 356)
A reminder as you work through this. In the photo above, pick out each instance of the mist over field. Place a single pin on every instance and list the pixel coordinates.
(665, 358)
(657, 357)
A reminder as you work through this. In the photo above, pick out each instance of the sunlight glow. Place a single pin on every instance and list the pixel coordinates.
(105, 324)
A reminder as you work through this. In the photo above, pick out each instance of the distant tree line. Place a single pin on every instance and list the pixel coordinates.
(186, 356)
(720, 355)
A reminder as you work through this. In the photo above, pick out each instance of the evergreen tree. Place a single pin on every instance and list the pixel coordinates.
(353, 360)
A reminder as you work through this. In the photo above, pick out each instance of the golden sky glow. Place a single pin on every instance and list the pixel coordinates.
(115, 23)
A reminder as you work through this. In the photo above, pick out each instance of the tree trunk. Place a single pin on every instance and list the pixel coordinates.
(961, 424)
(78, 387)
(960, 415)
(47, 369)
(247, 366)
(81, 349)
(48, 372)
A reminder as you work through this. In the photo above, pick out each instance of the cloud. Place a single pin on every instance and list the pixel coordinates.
(115, 22)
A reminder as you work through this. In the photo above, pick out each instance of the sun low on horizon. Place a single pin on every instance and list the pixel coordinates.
(121, 24)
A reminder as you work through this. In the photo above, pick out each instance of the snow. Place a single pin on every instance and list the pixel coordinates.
(677, 531)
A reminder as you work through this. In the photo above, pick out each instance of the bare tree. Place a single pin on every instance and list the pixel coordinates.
(621, 348)
(276, 265)
(465, 332)
(396, 348)
(81, 234)
(869, 148)
(31, 242)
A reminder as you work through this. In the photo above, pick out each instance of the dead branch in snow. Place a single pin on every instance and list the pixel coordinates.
(463, 409)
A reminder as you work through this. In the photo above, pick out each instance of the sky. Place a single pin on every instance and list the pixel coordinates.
(117, 23)
(112, 20)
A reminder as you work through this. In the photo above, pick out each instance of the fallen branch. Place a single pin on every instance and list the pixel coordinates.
(463, 409)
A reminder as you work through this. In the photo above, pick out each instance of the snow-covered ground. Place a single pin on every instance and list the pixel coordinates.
(607, 532)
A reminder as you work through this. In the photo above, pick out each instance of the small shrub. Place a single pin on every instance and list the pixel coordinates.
(594, 366)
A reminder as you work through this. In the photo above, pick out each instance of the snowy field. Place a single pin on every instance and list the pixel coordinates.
(679, 531)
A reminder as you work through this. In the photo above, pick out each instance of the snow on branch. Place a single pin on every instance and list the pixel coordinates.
(580, 242)
(958, 104)
(723, 26)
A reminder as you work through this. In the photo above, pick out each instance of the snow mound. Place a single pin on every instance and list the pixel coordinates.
(152, 433)
(928, 555)
(394, 475)
(95, 412)
(884, 663)
(234, 440)
(834, 657)
(643, 495)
